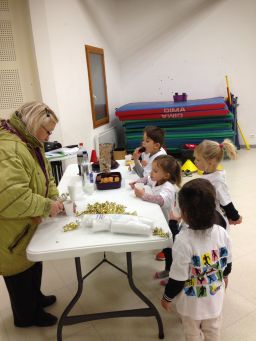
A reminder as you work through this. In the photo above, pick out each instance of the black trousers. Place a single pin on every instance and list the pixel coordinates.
(25, 294)
(174, 227)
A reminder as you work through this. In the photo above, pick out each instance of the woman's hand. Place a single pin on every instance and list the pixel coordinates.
(36, 220)
(166, 305)
(139, 192)
(56, 208)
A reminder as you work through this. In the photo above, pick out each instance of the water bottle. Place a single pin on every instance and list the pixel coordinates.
(80, 157)
(85, 167)
(88, 184)
(91, 177)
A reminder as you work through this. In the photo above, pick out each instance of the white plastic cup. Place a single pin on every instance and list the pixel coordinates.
(139, 185)
(128, 157)
(69, 208)
(74, 192)
(89, 188)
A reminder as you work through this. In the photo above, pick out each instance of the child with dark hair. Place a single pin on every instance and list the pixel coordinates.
(153, 140)
(164, 181)
(201, 264)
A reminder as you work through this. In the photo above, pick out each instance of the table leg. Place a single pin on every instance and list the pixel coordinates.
(73, 301)
(149, 311)
(152, 308)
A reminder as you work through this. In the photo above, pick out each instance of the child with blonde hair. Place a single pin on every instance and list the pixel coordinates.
(164, 180)
(208, 155)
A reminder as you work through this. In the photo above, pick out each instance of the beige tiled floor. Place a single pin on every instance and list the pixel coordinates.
(107, 289)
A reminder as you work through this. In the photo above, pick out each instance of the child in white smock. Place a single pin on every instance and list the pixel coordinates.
(164, 180)
(153, 139)
(208, 154)
(201, 264)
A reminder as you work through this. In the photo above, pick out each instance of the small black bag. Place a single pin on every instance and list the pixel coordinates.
(48, 146)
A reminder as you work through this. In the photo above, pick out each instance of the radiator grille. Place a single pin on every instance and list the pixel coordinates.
(4, 5)
(10, 89)
(7, 49)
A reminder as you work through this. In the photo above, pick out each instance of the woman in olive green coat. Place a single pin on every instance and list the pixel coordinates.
(28, 193)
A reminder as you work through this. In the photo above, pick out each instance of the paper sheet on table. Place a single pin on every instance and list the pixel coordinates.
(61, 152)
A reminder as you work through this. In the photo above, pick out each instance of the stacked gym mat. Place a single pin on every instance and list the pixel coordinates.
(187, 122)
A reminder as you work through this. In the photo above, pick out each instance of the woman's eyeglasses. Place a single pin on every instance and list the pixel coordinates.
(47, 131)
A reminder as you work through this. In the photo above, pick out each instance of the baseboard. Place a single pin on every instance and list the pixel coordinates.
(251, 146)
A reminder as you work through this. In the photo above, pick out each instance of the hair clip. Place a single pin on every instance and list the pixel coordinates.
(47, 112)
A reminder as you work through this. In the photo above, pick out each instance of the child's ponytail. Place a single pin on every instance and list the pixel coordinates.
(176, 174)
(229, 148)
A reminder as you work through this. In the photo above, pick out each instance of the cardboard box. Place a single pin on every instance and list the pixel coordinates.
(119, 154)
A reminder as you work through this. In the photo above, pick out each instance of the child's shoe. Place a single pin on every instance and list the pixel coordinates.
(160, 256)
(161, 274)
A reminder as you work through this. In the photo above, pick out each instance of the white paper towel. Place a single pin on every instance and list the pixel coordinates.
(102, 223)
(119, 223)
(131, 228)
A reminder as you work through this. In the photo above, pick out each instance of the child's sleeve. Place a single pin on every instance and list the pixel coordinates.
(139, 170)
(228, 268)
(156, 199)
(231, 212)
(172, 289)
(226, 202)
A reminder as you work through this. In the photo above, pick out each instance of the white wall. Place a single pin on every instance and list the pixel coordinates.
(189, 46)
(153, 48)
(61, 28)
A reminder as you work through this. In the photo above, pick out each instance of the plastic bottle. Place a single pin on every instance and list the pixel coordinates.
(88, 184)
(80, 157)
(85, 168)
(91, 177)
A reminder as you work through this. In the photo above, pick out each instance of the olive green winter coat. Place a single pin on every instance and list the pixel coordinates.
(22, 196)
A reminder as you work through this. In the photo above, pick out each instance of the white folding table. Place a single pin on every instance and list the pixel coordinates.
(50, 242)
